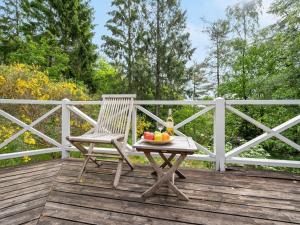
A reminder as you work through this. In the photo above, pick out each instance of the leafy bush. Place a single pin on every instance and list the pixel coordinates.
(20, 81)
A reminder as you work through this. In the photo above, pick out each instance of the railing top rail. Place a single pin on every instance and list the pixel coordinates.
(263, 102)
(153, 102)
(138, 102)
(174, 102)
(30, 102)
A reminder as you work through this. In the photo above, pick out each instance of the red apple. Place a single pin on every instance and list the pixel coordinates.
(148, 136)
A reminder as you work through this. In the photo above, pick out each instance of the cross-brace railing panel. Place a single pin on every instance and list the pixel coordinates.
(176, 127)
(232, 155)
(218, 105)
(29, 127)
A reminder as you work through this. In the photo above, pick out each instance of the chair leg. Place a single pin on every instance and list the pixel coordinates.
(120, 147)
(83, 168)
(118, 173)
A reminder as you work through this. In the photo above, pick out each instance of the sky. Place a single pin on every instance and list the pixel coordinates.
(209, 9)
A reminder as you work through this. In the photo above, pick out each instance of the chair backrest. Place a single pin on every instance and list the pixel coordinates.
(115, 114)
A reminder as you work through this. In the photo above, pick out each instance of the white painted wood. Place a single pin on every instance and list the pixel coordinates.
(174, 102)
(264, 162)
(81, 114)
(16, 135)
(156, 102)
(150, 114)
(263, 102)
(29, 128)
(231, 156)
(84, 102)
(193, 117)
(65, 128)
(282, 127)
(28, 153)
(264, 128)
(30, 102)
(219, 133)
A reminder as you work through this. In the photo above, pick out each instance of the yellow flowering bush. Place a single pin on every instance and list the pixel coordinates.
(142, 125)
(28, 139)
(20, 81)
(26, 159)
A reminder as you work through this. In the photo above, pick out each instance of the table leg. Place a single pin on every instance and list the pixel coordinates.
(164, 177)
(167, 162)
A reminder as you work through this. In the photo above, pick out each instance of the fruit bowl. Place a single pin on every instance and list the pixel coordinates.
(158, 142)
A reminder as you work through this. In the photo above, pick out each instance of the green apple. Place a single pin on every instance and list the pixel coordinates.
(158, 136)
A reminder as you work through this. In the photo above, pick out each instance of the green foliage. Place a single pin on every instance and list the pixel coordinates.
(106, 79)
(199, 85)
(11, 21)
(71, 24)
(44, 53)
(56, 35)
(216, 61)
(142, 125)
(149, 45)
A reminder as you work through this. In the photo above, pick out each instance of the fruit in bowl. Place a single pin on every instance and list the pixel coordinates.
(165, 136)
(156, 136)
(148, 135)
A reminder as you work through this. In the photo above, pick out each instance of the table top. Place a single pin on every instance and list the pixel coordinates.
(179, 144)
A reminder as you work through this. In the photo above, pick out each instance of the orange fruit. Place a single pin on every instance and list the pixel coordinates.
(165, 137)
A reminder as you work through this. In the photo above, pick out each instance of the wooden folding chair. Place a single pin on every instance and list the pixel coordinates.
(112, 127)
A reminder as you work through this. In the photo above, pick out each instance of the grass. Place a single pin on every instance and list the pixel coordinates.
(141, 160)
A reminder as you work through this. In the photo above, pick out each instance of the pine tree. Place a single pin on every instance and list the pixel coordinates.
(71, 24)
(12, 18)
(217, 31)
(170, 48)
(123, 45)
(244, 21)
(199, 86)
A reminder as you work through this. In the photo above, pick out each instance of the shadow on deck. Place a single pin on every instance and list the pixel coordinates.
(46, 193)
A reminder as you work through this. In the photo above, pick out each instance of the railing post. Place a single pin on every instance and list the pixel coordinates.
(65, 128)
(219, 133)
(134, 124)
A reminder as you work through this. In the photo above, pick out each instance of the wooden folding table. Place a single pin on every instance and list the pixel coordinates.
(180, 147)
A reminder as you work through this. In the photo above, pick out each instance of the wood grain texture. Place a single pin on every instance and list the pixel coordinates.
(47, 193)
(179, 144)
(24, 191)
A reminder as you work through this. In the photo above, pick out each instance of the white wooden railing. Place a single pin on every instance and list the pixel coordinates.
(219, 106)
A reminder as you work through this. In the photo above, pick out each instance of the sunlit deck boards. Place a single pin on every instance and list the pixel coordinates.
(24, 190)
(228, 198)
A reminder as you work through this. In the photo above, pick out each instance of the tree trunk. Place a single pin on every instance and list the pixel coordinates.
(129, 34)
(158, 56)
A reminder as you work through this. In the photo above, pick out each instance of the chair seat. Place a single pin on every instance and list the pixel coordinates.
(97, 138)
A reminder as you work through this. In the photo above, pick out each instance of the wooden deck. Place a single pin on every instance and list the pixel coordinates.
(46, 193)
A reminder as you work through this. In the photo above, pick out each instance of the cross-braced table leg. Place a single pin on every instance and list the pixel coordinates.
(167, 162)
(165, 177)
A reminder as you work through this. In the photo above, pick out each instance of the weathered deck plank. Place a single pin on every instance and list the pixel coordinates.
(24, 191)
(215, 179)
(47, 193)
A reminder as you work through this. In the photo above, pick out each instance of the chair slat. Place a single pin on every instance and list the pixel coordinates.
(114, 115)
